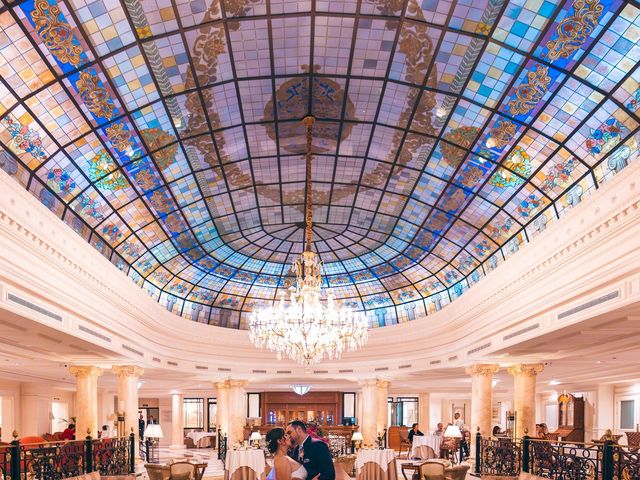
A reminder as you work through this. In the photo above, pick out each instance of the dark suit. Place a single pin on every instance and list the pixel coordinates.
(316, 459)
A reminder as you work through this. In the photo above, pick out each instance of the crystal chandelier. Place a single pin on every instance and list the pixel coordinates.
(305, 328)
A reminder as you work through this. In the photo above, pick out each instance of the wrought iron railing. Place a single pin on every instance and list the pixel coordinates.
(222, 446)
(556, 459)
(58, 460)
(500, 456)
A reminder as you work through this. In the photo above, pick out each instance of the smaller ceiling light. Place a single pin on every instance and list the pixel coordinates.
(554, 382)
(494, 382)
(301, 389)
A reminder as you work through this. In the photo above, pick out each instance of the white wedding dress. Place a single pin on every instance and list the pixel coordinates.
(299, 473)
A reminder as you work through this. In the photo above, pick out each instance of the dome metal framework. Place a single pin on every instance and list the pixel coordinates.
(168, 134)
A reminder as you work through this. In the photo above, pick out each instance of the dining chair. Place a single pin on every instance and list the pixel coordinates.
(633, 441)
(404, 441)
(182, 471)
(424, 452)
(430, 470)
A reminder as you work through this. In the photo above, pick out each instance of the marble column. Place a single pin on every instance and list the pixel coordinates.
(222, 398)
(86, 408)
(128, 376)
(481, 398)
(237, 410)
(424, 400)
(177, 422)
(382, 406)
(524, 396)
(368, 422)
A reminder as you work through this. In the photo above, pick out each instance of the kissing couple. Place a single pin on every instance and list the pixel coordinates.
(297, 456)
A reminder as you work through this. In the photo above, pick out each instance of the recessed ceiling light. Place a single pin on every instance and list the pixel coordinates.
(554, 382)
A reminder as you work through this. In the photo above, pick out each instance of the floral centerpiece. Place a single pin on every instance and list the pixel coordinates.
(314, 430)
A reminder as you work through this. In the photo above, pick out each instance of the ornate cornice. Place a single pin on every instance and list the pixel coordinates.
(85, 371)
(124, 371)
(590, 249)
(525, 369)
(483, 369)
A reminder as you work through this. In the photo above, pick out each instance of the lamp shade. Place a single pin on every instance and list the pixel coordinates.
(255, 437)
(153, 430)
(357, 437)
(452, 431)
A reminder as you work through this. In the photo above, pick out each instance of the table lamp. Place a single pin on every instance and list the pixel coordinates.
(356, 440)
(453, 431)
(255, 439)
(153, 432)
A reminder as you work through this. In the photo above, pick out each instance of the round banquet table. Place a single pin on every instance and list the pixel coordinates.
(376, 465)
(244, 464)
(432, 441)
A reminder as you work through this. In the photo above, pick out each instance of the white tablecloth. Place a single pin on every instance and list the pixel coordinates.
(197, 436)
(253, 459)
(381, 457)
(432, 441)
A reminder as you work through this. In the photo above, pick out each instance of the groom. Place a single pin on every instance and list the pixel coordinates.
(312, 453)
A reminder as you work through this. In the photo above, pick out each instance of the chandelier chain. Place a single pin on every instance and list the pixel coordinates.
(308, 122)
(305, 328)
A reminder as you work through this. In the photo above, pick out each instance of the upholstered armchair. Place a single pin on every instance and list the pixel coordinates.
(404, 441)
(182, 471)
(432, 471)
(633, 441)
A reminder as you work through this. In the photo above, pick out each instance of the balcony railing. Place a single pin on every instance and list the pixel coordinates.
(58, 460)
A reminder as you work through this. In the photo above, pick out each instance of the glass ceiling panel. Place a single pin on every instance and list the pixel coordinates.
(167, 134)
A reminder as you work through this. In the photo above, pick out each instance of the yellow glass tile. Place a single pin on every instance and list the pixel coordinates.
(134, 84)
(582, 71)
(149, 88)
(167, 14)
(169, 61)
(460, 50)
(137, 61)
(494, 72)
(91, 27)
(114, 71)
(109, 32)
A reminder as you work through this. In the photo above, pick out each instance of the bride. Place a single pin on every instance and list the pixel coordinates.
(284, 467)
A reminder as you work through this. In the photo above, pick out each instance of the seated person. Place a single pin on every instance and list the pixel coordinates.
(69, 433)
(414, 431)
(496, 431)
(541, 430)
(439, 431)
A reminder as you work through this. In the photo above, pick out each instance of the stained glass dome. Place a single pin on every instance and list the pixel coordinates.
(168, 134)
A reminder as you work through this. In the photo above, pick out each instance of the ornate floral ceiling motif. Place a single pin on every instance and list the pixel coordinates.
(168, 134)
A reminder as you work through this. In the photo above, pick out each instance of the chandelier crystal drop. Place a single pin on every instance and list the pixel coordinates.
(305, 328)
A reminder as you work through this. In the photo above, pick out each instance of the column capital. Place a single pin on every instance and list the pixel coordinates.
(124, 371)
(382, 383)
(85, 371)
(238, 383)
(368, 383)
(223, 385)
(525, 369)
(483, 369)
